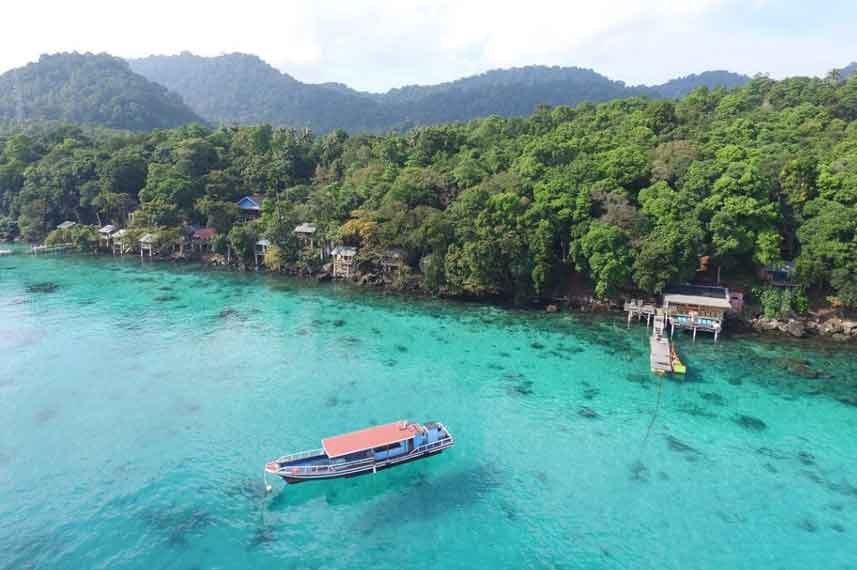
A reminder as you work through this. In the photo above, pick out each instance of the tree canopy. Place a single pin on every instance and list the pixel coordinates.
(627, 194)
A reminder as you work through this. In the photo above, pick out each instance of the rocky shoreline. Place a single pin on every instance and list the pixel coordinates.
(835, 328)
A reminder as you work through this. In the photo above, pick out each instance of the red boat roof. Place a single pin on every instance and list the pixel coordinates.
(369, 438)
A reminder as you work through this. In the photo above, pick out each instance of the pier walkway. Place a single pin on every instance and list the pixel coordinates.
(660, 355)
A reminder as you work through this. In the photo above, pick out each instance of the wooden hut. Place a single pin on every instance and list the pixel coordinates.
(201, 239)
(119, 242)
(392, 260)
(343, 261)
(250, 206)
(261, 249)
(105, 235)
(147, 244)
(697, 308)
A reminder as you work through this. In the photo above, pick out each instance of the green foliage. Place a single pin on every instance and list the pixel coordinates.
(89, 89)
(629, 193)
(84, 238)
(8, 228)
(275, 258)
(781, 303)
(242, 239)
(218, 89)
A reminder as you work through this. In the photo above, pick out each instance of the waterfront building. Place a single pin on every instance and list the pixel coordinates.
(392, 260)
(201, 239)
(250, 206)
(344, 260)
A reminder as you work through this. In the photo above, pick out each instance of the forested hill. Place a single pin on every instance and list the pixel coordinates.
(89, 89)
(243, 89)
(627, 194)
(681, 86)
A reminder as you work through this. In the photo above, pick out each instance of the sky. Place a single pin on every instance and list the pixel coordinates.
(376, 45)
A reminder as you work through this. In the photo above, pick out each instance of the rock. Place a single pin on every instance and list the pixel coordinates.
(849, 328)
(795, 328)
(830, 327)
(839, 337)
(551, 308)
(764, 325)
(324, 276)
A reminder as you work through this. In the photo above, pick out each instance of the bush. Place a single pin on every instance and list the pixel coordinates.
(274, 258)
(8, 229)
(780, 303)
(84, 238)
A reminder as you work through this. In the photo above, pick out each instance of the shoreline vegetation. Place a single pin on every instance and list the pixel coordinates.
(823, 324)
(753, 188)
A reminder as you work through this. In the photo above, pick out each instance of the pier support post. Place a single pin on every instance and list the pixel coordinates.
(694, 334)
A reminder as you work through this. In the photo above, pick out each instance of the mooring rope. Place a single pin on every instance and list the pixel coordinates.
(657, 409)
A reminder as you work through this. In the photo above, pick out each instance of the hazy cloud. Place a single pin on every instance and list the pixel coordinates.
(378, 44)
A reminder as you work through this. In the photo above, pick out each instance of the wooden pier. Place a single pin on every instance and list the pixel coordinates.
(639, 309)
(660, 350)
(52, 249)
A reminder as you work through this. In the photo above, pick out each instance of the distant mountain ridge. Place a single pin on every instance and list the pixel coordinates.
(241, 88)
(89, 89)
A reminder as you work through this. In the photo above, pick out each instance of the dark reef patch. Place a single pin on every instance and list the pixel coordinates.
(713, 398)
(750, 423)
(338, 323)
(523, 388)
(166, 298)
(537, 345)
(590, 393)
(42, 287)
(807, 524)
(401, 348)
(45, 415)
(693, 409)
(677, 445)
(639, 472)
(586, 412)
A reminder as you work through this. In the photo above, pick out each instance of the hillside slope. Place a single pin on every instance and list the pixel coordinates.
(89, 89)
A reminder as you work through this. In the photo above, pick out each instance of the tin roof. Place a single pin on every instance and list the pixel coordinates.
(344, 250)
(369, 438)
(204, 234)
(66, 225)
(107, 230)
(305, 228)
(700, 300)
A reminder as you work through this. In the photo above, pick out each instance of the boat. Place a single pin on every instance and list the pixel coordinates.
(677, 365)
(5, 252)
(365, 451)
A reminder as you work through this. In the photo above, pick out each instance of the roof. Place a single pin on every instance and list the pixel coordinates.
(678, 299)
(394, 252)
(204, 234)
(344, 250)
(263, 243)
(148, 238)
(253, 202)
(107, 230)
(120, 233)
(305, 228)
(369, 438)
(66, 225)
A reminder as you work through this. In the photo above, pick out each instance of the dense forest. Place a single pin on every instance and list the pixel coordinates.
(627, 194)
(89, 89)
(243, 89)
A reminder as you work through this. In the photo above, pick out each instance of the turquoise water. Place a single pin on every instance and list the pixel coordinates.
(139, 403)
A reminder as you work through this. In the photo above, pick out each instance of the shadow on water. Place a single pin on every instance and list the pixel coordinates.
(423, 497)
(178, 526)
